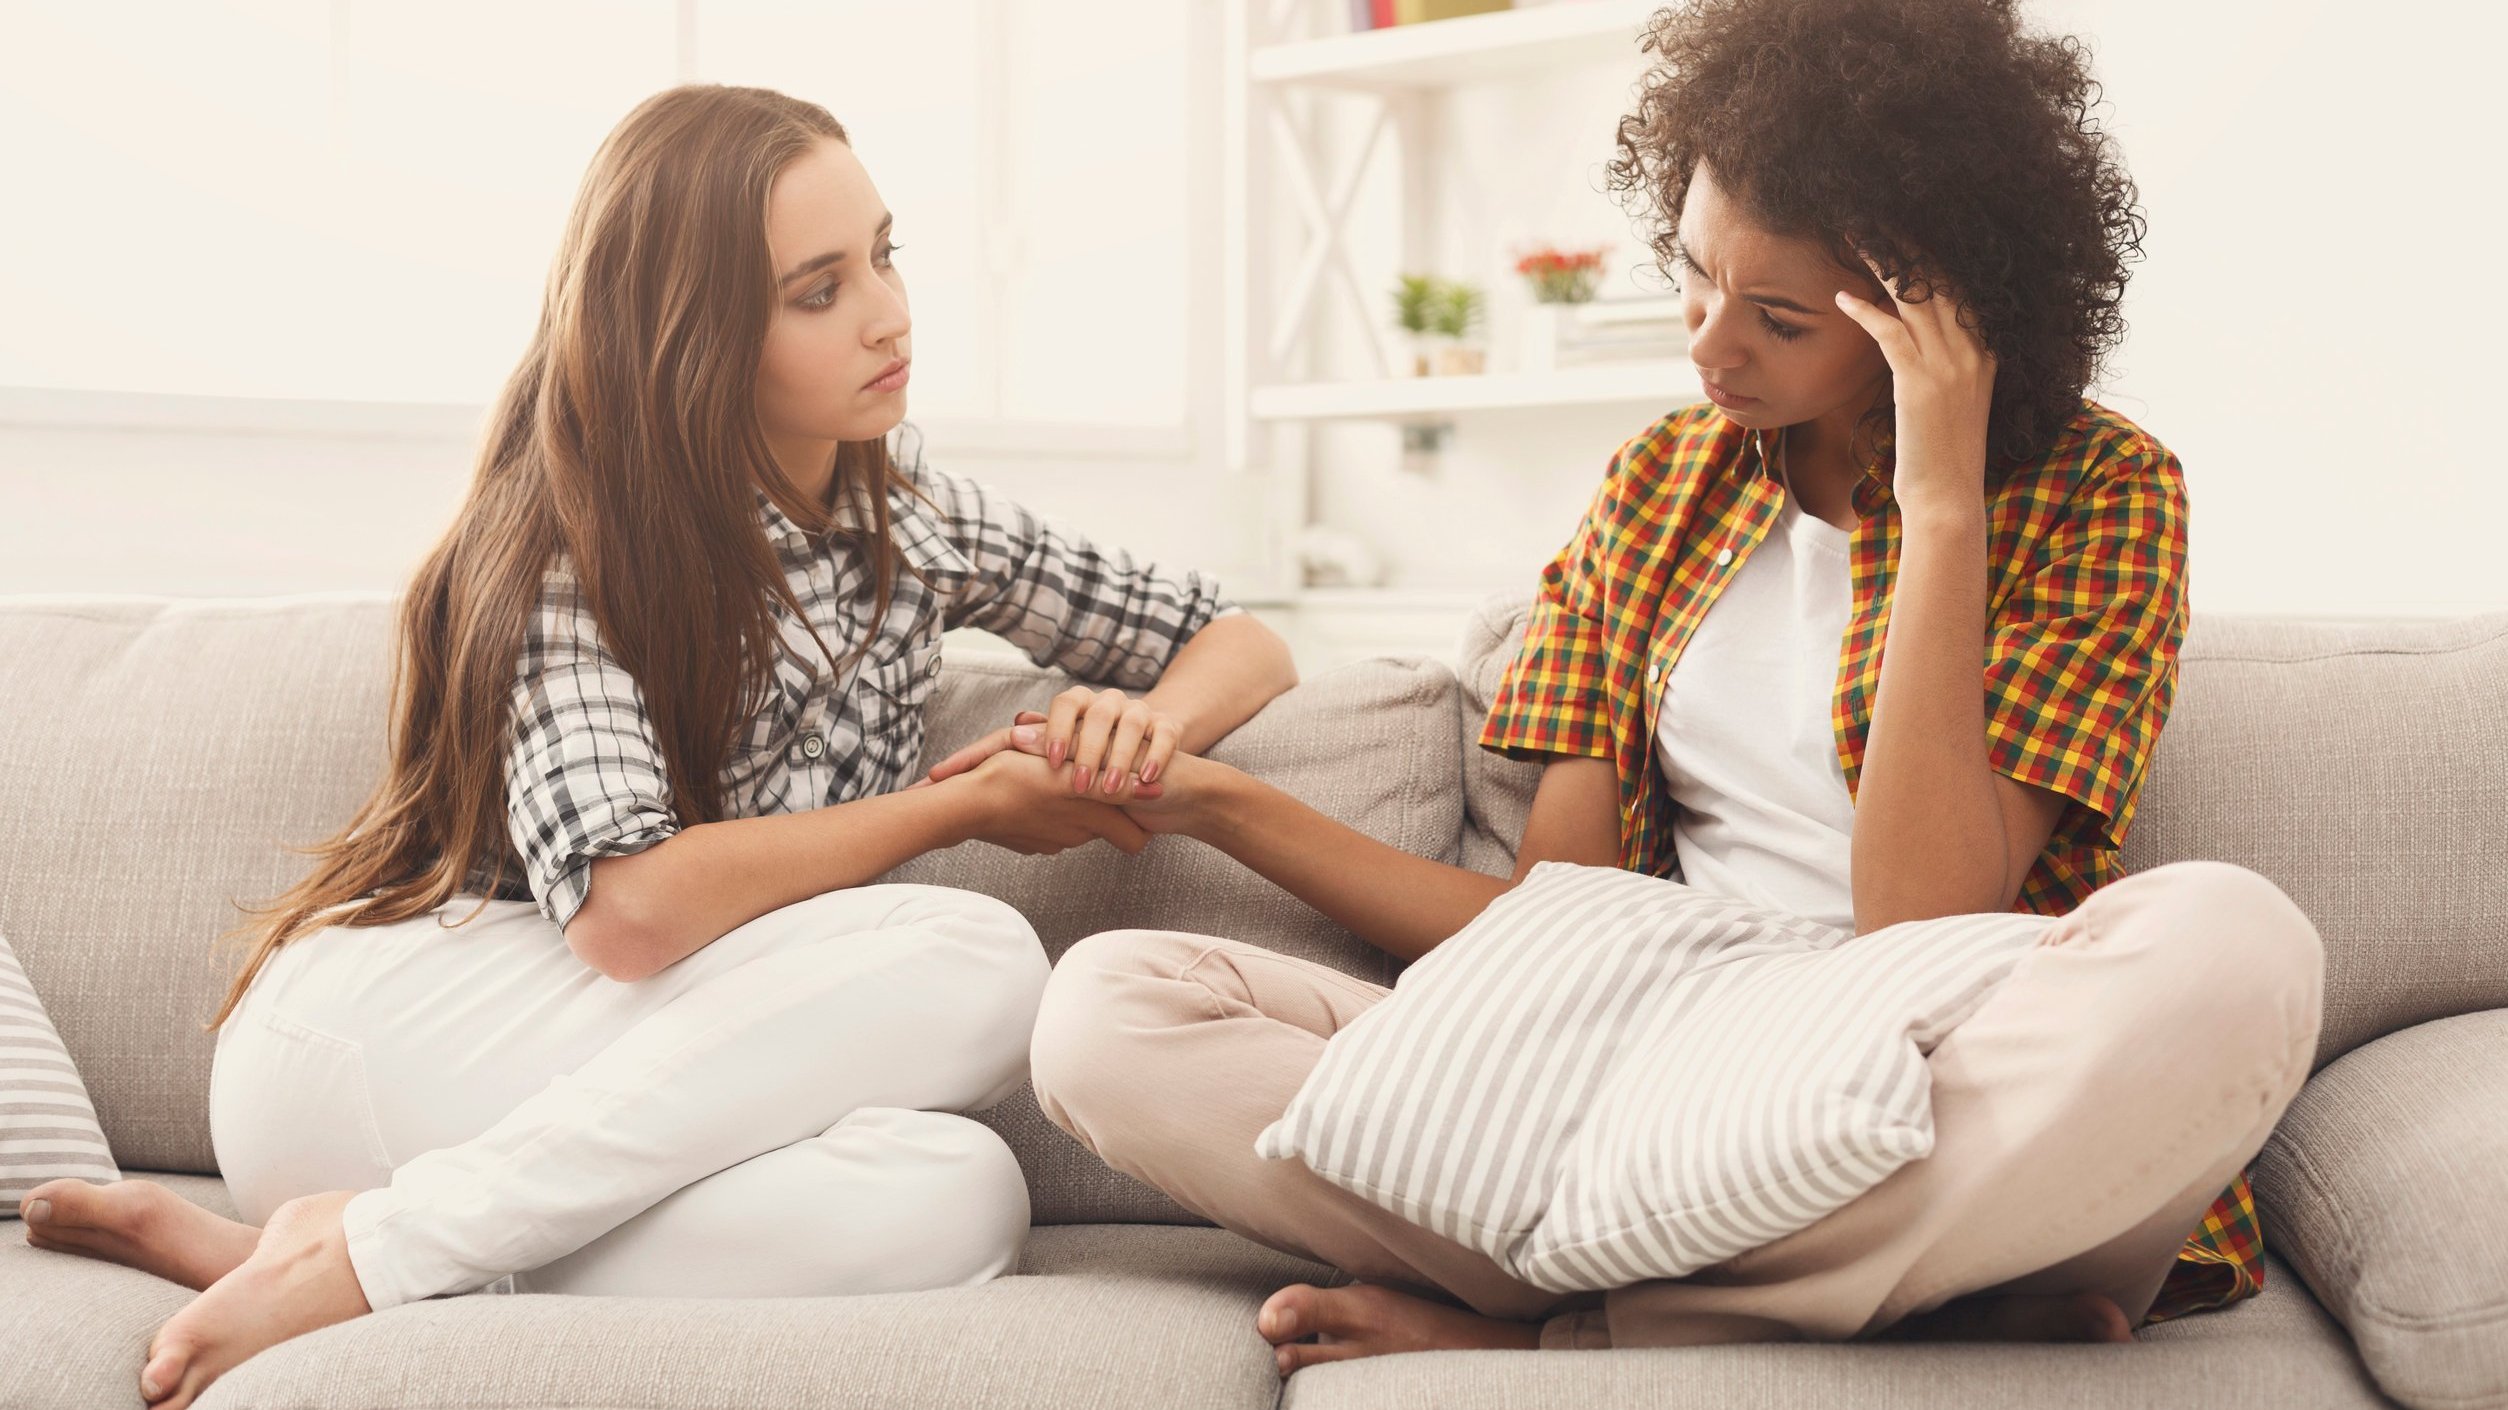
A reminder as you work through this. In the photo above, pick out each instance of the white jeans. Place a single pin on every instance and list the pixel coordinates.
(766, 1118)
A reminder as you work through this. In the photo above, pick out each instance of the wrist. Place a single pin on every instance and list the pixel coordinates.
(1961, 517)
(965, 806)
(1212, 797)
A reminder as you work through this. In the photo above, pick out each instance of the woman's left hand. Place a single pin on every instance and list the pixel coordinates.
(1116, 745)
(1943, 381)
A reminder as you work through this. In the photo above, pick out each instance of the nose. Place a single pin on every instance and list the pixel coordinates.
(889, 320)
(1713, 343)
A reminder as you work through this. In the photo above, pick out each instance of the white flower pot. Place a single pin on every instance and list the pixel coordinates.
(1542, 325)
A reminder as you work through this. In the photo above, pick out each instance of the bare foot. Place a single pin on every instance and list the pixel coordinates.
(2070, 1317)
(139, 1225)
(1365, 1319)
(297, 1280)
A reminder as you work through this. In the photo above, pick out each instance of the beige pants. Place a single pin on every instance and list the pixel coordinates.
(2085, 1117)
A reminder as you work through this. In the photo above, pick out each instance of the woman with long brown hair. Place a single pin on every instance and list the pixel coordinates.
(593, 993)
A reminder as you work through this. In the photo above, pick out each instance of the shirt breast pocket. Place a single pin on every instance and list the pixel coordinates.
(902, 685)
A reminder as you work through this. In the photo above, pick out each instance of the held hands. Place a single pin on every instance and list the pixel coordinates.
(1115, 744)
(1116, 749)
(1027, 807)
(1944, 383)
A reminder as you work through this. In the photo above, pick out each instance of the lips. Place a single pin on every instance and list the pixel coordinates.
(891, 377)
(1720, 396)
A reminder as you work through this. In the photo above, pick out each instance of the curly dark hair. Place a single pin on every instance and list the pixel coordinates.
(1934, 135)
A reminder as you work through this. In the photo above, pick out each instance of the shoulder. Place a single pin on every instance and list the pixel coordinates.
(1668, 458)
(917, 487)
(2102, 459)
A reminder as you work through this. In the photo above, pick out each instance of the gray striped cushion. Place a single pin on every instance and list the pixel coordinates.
(1609, 1077)
(47, 1127)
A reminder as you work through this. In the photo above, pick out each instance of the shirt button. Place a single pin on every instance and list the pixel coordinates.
(1723, 557)
(812, 746)
(934, 668)
(1654, 672)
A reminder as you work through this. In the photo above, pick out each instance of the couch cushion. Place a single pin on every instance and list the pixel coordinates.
(2387, 1187)
(1102, 1315)
(158, 757)
(2278, 1351)
(2362, 766)
(73, 1331)
(1099, 1315)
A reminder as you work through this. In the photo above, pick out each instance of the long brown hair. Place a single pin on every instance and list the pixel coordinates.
(628, 442)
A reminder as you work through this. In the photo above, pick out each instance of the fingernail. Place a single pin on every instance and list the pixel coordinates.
(1082, 778)
(1024, 736)
(150, 1390)
(1150, 774)
(37, 1211)
(1053, 753)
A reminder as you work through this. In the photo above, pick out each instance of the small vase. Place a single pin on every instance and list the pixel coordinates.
(1542, 323)
(1461, 360)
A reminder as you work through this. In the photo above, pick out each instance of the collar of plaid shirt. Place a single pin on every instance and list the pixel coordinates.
(2086, 557)
(919, 537)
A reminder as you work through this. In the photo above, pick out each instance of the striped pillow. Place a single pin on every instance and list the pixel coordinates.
(1608, 1077)
(47, 1126)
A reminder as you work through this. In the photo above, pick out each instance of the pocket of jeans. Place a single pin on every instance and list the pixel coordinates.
(290, 1113)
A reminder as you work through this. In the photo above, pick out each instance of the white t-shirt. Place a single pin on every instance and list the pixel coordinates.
(1744, 729)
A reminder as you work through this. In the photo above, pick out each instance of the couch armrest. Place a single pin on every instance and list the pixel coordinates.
(2386, 1186)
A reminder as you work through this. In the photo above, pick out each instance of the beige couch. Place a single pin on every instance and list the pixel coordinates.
(157, 757)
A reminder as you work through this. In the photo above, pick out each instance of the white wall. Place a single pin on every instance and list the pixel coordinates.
(267, 260)
(2315, 332)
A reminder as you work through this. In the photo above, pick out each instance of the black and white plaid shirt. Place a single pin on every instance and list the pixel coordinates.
(584, 777)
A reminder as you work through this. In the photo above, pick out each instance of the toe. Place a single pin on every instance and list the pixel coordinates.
(163, 1375)
(1287, 1315)
(53, 1202)
(1297, 1356)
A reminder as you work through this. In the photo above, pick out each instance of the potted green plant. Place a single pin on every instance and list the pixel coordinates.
(1456, 316)
(1414, 306)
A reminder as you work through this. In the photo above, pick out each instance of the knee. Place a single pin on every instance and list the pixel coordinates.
(996, 969)
(1082, 1041)
(970, 1198)
(2231, 934)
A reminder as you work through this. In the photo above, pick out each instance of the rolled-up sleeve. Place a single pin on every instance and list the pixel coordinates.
(2081, 663)
(1552, 699)
(584, 777)
(1096, 613)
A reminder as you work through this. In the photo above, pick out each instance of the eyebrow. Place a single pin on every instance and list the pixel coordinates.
(818, 262)
(1763, 300)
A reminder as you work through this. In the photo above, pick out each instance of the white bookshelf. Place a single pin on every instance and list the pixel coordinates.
(1282, 58)
(1471, 49)
(1667, 383)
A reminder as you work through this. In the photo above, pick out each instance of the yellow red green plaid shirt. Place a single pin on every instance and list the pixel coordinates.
(2086, 549)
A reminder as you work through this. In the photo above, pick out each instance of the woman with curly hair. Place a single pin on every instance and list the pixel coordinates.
(1882, 636)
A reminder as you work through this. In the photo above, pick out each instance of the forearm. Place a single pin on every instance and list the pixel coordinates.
(675, 898)
(1402, 904)
(1929, 832)
(1220, 677)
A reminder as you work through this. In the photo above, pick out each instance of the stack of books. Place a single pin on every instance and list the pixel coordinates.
(1384, 14)
(1616, 330)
